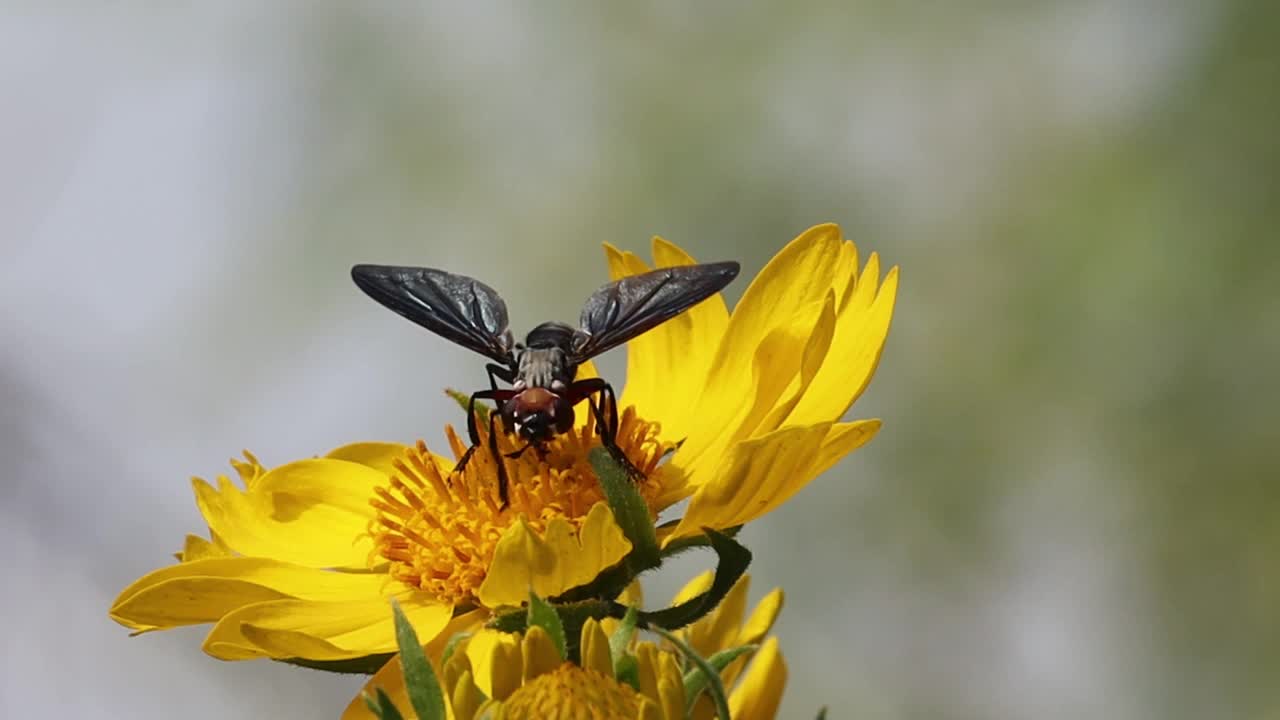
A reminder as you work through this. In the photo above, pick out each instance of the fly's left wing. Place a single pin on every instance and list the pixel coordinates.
(456, 307)
(633, 305)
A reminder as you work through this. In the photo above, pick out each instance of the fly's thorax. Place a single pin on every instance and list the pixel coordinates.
(544, 361)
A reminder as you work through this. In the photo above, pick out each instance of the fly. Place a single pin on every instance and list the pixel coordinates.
(542, 371)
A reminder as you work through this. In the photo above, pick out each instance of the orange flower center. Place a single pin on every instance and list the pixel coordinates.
(572, 693)
(438, 528)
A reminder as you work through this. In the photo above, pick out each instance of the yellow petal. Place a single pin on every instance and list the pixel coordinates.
(203, 591)
(391, 677)
(718, 629)
(670, 686)
(699, 584)
(586, 371)
(248, 469)
(466, 698)
(327, 630)
(647, 664)
(648, 710)
(632, 595)
(539, 653)
(762, 618)
(594, 649)
(861, 330)
(459, 665)
(482, 650)
(668, 366)
(758, 695)
(846, 273)
(785, 362)
(759, 475)
(377, 455)
(506, 667)
(582, 412)
(842, 439)
(195, 547)
(788, 374)
(311, 512)
(812, 361)
(554, 562)
(800, 275)
(753, 632)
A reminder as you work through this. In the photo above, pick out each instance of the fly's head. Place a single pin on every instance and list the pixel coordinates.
(540, 414)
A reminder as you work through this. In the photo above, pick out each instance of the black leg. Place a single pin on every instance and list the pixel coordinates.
(499, 372)
(498, 460)
(473, 432)
(605, 408)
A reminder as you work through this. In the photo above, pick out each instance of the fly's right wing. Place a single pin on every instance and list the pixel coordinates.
(455, 307)
(634, 305)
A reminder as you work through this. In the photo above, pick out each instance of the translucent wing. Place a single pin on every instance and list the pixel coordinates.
(455, 307)
(633, 305)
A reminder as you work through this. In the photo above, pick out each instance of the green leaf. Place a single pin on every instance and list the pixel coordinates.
(367, 665)
(420, 680)
(382, 706)
(714, 686)
(822, 713)
(451, 646)
(734, 560)
(695, 681)
(544, 615)
(464, 401)
(629, 510)
(621, 637)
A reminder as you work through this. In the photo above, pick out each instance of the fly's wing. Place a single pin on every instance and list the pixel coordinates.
(633, 305)
(455, 307)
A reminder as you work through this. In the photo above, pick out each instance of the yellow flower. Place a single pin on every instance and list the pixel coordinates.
(524, 677)
(756, 396)
(303, 559)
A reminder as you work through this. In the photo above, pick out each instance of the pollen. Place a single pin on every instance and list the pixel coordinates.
(437, 529)
(572, 693)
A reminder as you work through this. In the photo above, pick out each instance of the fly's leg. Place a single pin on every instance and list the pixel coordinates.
(496, 372)
(498, 461)
(605, 409)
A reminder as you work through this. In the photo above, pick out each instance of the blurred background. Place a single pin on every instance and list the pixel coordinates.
(1071, 511)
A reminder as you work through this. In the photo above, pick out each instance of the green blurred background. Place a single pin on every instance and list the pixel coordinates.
(1070, 511)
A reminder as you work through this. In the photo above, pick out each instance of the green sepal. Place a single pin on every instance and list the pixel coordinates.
(464, 401)
(621, 638)
(420, 680)
(695, 681)
(822, 713)
(544, 615)
(626, 669)
(366, 665)
(697, 541)
(571, 615)
(714, 686)
(630, 511)
(381, 706)
(734, 560)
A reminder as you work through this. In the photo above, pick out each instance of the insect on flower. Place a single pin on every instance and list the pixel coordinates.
(542, 370)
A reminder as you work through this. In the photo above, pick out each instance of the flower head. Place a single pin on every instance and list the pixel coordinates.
(302, 558)
(526, 676)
